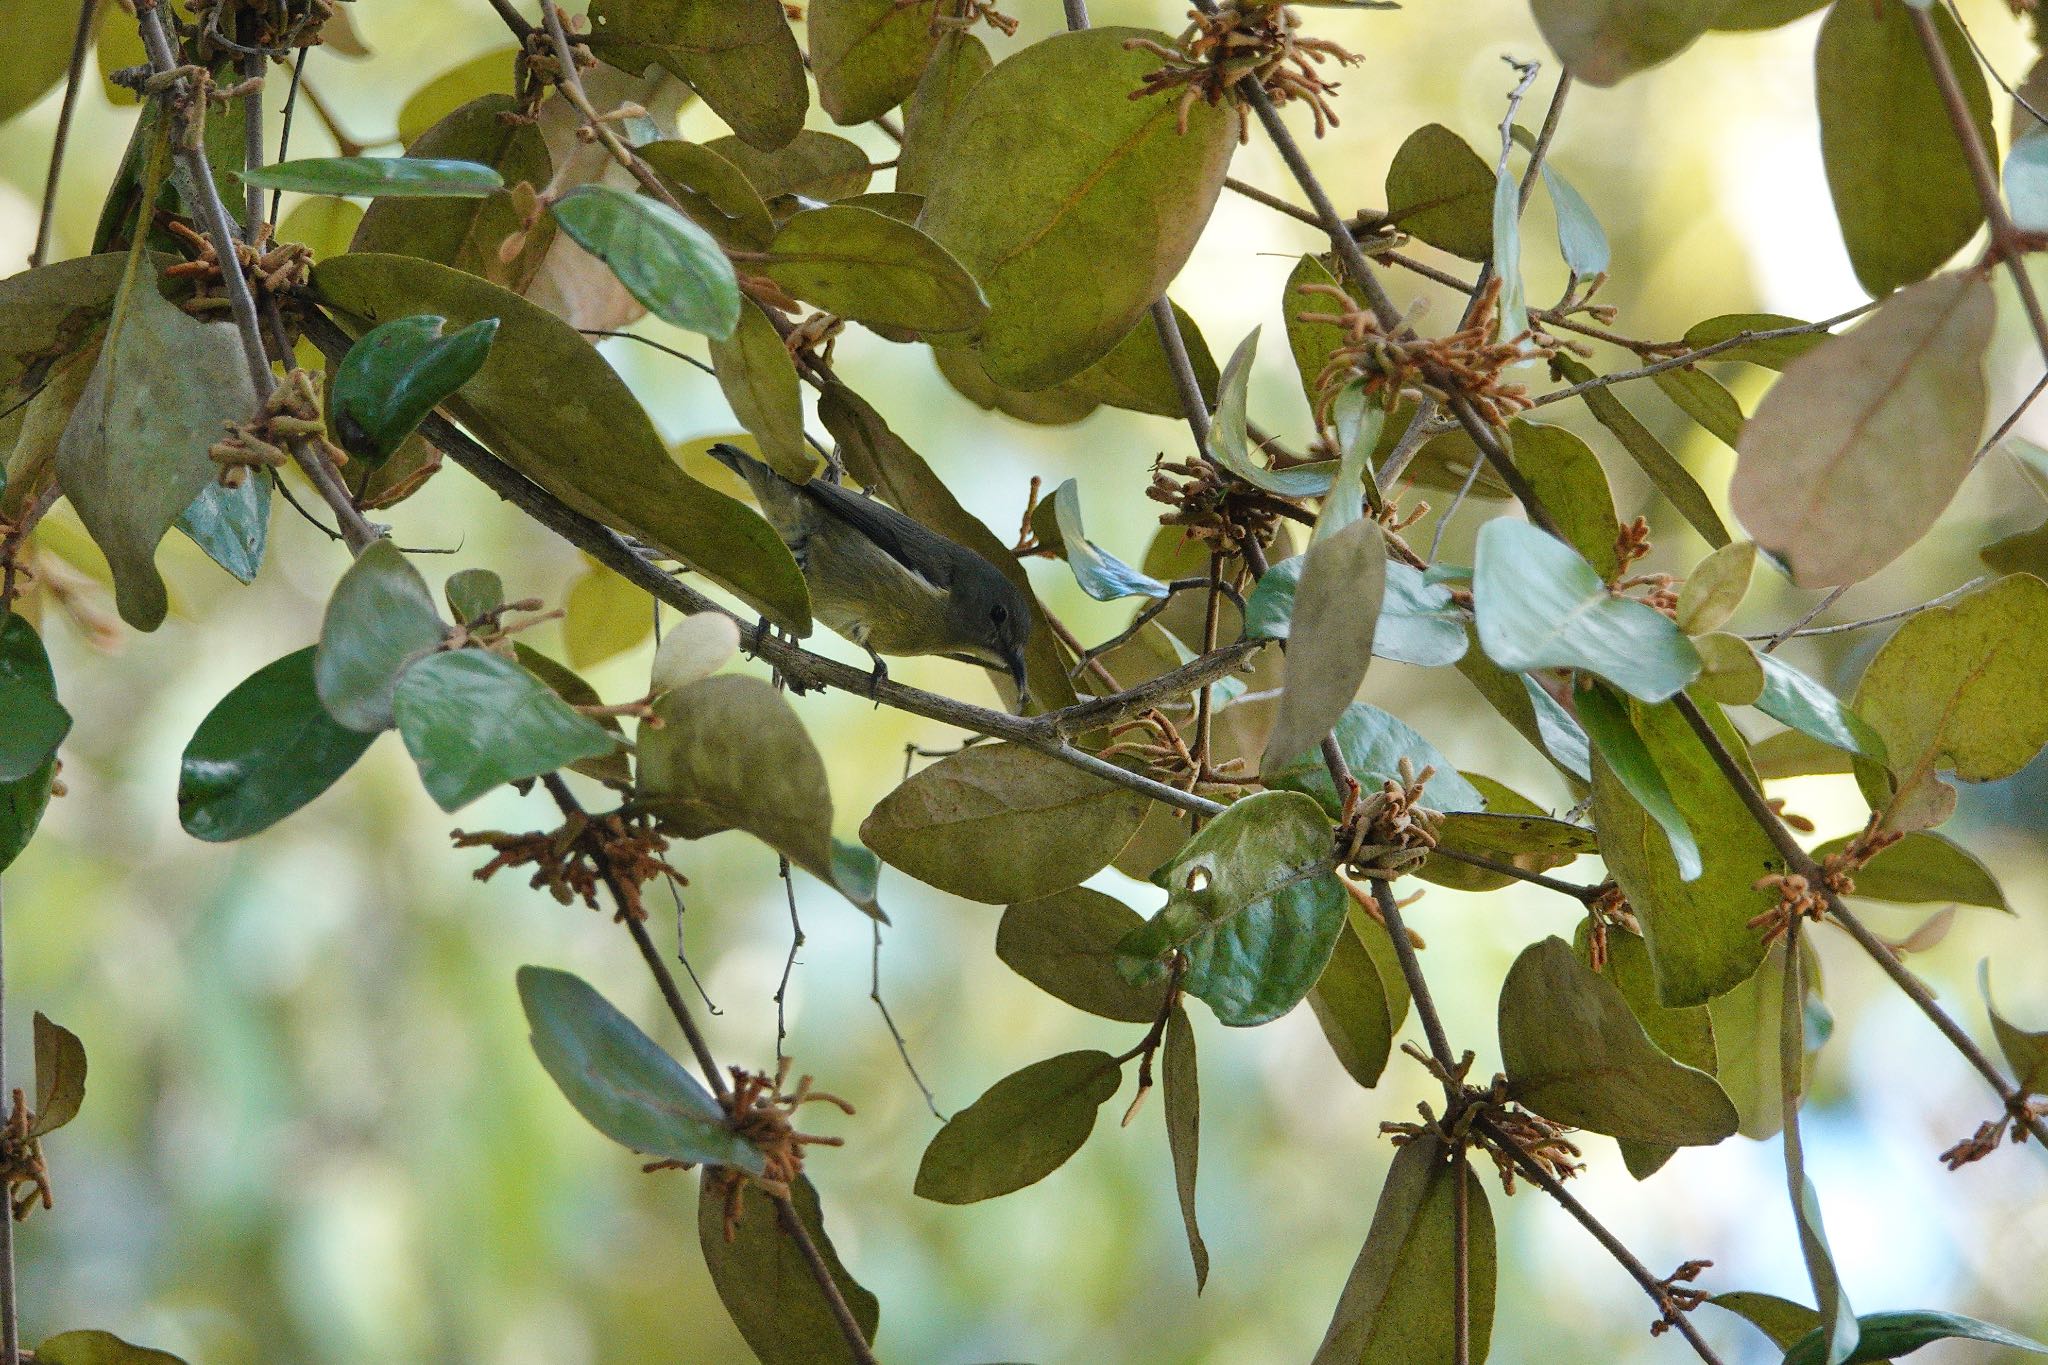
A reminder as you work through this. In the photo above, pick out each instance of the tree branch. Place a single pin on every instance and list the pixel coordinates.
(81, 44)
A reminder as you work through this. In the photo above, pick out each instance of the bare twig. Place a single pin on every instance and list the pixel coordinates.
(74, 78)
(10, 1328)
(902, 1045)
(1800, 630)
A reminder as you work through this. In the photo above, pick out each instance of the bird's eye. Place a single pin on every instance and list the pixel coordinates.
(999, 614)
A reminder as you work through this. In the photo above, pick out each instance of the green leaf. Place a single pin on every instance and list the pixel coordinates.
(1580, 238)
(1702, 397)
(486, 73)
(393, 177)
(2026, 1052)
(1568, 480)
(22, 803)
(1361, 999)
(613, 768)
(231, 525)
(1774, 354)
(738, 55)
(1748, 1022)
(36, 721)
(268, 748)
(1512, 829)
(1373, 743)
(1419, 624)
(1539, 605)
(620, 1080)
(1923, 867)
(1783, 1321)
(380, 621)
(98, 1348)
(473, 721)
(1512, 300)
(1020, 1131)
(1046, 158)
(1312, 343)
(1838, 1331)
(39, 51)
(2021, 552)
(1901, 185)
(1876, 430)
(674, 268)
(1181, 1081)
(731, 753)
(1399, 1304)
(134, 453)
(1102, 576)
(1254, 906)
(1605, 41)
(1135, 375)
(713, 191)
(759, 380)
(1230, 441)
(1337, 606)
(1792, 754)
(767, 1285)
(396, 374)
(867, 55)
(60, 1076)
(469, 234)
(1696, 925)
(1886, 1336)
(1745, 15)
(582, 435)
(867, 266)
(814, 166)
(1065, 944)
(1732, 671)
(1684, 1034)
(1800, 702)
(1716, 587)
(1575, 1053)
(1440, 191)
(607, 617)
(1663, 469)
(473, 594)
(957, 65)
(1000, 823)
(1958, 687)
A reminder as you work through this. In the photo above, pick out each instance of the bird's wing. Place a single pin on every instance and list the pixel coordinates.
(899, 536)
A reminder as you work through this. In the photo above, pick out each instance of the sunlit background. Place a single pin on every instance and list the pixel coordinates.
(315, 1131)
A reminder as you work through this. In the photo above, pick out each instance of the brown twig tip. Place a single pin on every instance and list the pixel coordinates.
(2021, 1113)
(1814, 897)
(1388, 832)
(1677, 1297)
(1244, 40)
(22, 1169)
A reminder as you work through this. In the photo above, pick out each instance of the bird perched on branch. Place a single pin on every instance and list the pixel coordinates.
(887, 583)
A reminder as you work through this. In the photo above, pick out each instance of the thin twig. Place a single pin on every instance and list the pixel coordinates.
(74, 78)
(1585, 895)
(1801, 631)
(2006, 242)
(1690, 358)
(10, 1328)
(284, 122)
(902, 1045)
(1990, 70)
(796, 942)
(1461, 1258)
(1780, 637)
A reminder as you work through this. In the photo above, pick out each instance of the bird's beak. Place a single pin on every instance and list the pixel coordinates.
(1016, 665)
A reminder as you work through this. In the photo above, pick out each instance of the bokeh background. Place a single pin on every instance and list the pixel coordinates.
(315, 1131)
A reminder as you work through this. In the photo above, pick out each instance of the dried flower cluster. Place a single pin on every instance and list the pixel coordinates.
(271, 27)
(1985, 1140)
(21, 1162)
(1677, 1295)
(1659, 591)
(290, 414)
(1256, 40)
(761, 1112)
(1212, 507)
(1487, 1118)
(1389, 367)
(1608, 912)
(1388, 832)
(586, 852)
(1798, 896)
(270, 267)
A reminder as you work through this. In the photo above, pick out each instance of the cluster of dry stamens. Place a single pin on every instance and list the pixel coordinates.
(813, 337)
(488, 629)
(279, 24)
(613, 849)
(1256, 40)
(1157, 742)
(1982, 1143)
(1798, 896)
(761, 1112)
(291, 413)
(21, 1162)
(1219, 511)
(1608, 911)
(1676, 1294)
(1387, 832)
(1509, 1129)
(272, 267)
(1657, 590)
(964, 14)
(1389, 367)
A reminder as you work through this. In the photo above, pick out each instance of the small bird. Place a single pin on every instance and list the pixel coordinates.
(887, 583)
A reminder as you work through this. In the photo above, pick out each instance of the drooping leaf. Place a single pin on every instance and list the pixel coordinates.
(1577, 1055)
(1901, 185)
(1020, 1131)
(92, 1347)
(1373, 743)
(1361, 999)
(868, 55)
(767, 1285)
(268, 748)
(582, 435)
(868, 266)
(1838, 1331)
(1605, 41)
(1311, 343)
(620, 1079)
(1512, 303)
(1399, 1304)
(738, 55)
(1629, 761)
(1716, 587)
(1568, 479)
(230, 525)
(1181, 1082)
(1875, 430)
(1958, 688)
(1230, 440)
(957, 64)
(396, 177)
(22, 803)
(36, 722)
(1748, 1021)
(1696, 926)
(1541, 605)
(1684, 1034)
(379, 622)
(1065, 944)
(1440, 191)
(1254, 906)
(2026, 1051)
(673, 267)
(396, 374)
(731, 753)
(1101, 575)
(759, 379)
(1887, 1336)
(1001, 823)
(1663, 469)
(60, 1076)
(1580, 238)
(473, 721)
(1337, 606)
(134, 453)
(1034, 195)
(714, 192)
(1703, 398)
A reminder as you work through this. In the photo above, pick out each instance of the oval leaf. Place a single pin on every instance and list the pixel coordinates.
(393, 177)
(473, 721)
(675, 268)
(1019, 1132)
(380, 620)
(396, 374)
